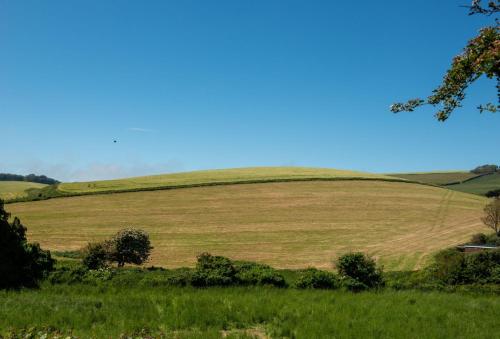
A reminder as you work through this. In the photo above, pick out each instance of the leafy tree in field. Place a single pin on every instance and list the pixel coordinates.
(480, 57)
(361, 269)
(21, 263)
(129, 246)
(492, 216)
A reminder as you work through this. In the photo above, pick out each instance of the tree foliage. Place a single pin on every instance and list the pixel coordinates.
(361, 269)
(481, 56)
(492, 216)
(129, 246)
(21, 263)
(485, 169)
(41, 179)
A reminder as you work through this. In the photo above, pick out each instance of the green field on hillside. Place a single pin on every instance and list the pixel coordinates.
(436, 178)
(213, 177)
(479, 185)
(16, 189)
(239, 312)
(287, 224)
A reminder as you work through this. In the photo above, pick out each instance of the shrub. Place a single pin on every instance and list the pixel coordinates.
(314, 278)
(481, 267)
(130, 246)
(95, 256)
(21, 263)
(213, 271)
(479, 239)
(249, 273)
(454, 268)
(493, 193)
(361, 268)
(67, 275)
(448, 266)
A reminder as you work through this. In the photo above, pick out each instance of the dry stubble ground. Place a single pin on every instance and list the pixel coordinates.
(287, 225)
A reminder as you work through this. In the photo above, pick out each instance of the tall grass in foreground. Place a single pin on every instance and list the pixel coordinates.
(101, 312)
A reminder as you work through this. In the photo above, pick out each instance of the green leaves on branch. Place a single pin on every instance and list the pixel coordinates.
(480, 57)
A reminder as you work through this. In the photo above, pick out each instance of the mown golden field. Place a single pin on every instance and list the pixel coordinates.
(287, 225)
(16, 189)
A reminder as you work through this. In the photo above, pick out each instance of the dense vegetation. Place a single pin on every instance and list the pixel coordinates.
(41, 179)
(21, 263)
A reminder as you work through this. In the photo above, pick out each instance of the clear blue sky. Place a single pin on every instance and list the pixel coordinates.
(186, 85)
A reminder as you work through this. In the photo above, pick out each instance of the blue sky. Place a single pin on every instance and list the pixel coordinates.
(187, 85)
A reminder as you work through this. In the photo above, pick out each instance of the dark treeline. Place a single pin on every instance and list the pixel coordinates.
(485, 169)
(41, 179)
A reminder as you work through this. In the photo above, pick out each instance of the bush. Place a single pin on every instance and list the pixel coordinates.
(493, 193)
(249, 273)
(479, 239)
(21, 263)
(67, 275)
(95, 256)
(314, 278)
(455, 268)
(448, 266)
(361, 268)
(213, 271)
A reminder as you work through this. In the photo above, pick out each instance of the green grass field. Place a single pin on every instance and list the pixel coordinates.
(211, 177)
(16, 189)
(436, 178)
(287, 224)
(239, 312)
(479, 185)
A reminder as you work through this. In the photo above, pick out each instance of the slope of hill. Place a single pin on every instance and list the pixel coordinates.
(436, 178)
(479, 185)
(218, 177)
(16, 189)
(286, 224)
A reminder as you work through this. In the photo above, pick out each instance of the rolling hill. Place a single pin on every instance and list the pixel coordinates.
(276, 221)
(217, 177)
(437, 178)
(479, 185)
(16, 189)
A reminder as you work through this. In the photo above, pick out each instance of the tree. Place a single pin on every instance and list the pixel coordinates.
(485, 169)
(492, 216)
(480, 57)
(21, 263)
(129, 246)
(360, 268)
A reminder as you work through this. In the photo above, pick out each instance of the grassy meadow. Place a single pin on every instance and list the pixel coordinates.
(16, 189)
(214, 177)
(245, 312)
(479, 185)
(286, 225)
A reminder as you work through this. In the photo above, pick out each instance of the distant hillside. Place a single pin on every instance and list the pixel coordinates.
(17, 189)
(40, 179)
(218, 177)
(480, 185)
(480, 180)
(293, 224)
(437, 178)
